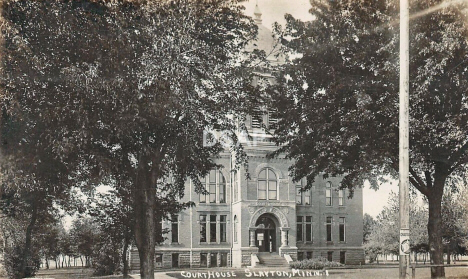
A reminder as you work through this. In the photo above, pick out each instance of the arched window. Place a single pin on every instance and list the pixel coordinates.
(215, 184)
(235, 228)
(267, 185)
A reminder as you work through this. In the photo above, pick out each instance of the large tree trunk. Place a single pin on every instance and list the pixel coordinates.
(145, 225)
(434, 226)
(124, 256)
(27, 244)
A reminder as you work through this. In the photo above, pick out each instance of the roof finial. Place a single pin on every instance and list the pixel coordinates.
(258, 14)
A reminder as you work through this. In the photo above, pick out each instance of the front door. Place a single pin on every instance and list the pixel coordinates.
(265, 235)
(265, 240)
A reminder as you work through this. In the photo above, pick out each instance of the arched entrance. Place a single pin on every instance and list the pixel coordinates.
(265, 233)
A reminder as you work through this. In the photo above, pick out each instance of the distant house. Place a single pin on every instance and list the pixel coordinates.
(267, 216)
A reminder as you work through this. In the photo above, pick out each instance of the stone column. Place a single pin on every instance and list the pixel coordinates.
(252, 237)
(284, 237)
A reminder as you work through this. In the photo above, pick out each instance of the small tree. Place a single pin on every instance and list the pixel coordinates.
(85, 234)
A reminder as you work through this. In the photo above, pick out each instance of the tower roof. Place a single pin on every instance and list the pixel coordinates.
(258, 14)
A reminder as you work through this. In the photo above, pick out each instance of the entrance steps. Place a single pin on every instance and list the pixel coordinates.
(271, 260)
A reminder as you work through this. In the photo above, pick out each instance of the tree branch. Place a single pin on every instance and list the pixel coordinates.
(457, 156)
(420, 182)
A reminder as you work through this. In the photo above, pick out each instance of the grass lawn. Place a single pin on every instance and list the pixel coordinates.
(70, 273)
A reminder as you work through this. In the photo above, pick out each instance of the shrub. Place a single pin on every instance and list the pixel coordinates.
(317, 263)
(14, 258)
(106, 260)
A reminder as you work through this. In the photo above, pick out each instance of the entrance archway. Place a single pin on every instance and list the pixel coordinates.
(265, 233)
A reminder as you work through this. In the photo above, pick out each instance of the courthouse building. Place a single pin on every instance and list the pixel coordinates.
(264, 220)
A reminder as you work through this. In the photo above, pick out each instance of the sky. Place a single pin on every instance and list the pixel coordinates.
(273, 11)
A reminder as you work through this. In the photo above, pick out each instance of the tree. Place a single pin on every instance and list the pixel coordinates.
(339, 99)
(454, 233)
(368, 224)
(85, 234)
(113, 213)
(48, 237)
(138, 84)
(384, 235)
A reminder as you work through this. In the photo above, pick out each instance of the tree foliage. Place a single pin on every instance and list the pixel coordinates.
(339, 99)
(110, 88)
(383, 238)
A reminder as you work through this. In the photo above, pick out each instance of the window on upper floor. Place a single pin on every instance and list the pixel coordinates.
(328, 194)
(267, 185)
(302, 197)
(341, 195)
(272, 120)
(257, 119)
(215, 185)
(235, 185)
(261, 118)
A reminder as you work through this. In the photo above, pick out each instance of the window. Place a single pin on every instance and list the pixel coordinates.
(329, 228)
(201, 195)
(328, 194)
(203, 260)
(341, 194)
(267, 185)
(342, 229)
(302, 197)
(213, 259)
(158, 260)
(308, 229)
(212, 186)
(159, 229)
(175, 260)
(175, 229)
(223, 259)
(343, 257)
(235, 228)
(330, 256)
(300, 256)
(214, 183)
(299, 228)
(222, 228)
(309, 255)
(202, 228)
(236, 187)
(212, 228)
(222, 188)
(304, 225)
(272, 120)
(257, 118)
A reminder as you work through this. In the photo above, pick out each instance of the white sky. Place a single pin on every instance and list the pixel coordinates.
(274, 10)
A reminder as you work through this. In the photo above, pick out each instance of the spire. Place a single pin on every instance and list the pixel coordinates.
(258, 15)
